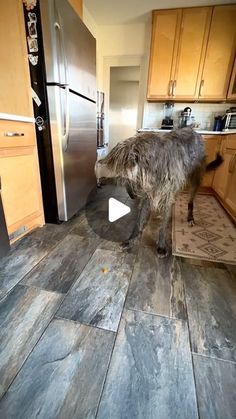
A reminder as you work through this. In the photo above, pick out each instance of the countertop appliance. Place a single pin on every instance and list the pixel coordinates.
(167, 122)
(4, 239)
(185, 117)
(62, 60)
(229, 119)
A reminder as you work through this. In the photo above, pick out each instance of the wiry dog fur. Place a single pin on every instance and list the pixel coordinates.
(157, 167)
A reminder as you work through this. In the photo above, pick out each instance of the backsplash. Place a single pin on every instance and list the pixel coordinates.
(204, 113)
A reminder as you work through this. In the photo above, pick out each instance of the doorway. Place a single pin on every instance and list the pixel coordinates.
(123, 104)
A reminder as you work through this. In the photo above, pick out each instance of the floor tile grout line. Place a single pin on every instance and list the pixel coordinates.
(151, 313)
(84, 324)
(116, 334)
(213, 357)
(51, 318)
(190, 346)
(32, 349)
(39, 261)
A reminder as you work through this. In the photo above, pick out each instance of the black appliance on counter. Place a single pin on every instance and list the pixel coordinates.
(62, 61)
(185, 117)
(167, 122)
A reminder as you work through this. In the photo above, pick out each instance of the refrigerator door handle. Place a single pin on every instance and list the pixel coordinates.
(65, 136)
(58, 28)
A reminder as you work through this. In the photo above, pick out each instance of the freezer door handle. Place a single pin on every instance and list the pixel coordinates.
(66, 128)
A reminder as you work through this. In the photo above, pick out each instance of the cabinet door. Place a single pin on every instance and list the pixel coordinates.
(219, 54)
(220, 180)
(15, 94)
(232, 85)
(192, 46)
(212, 145)
(21, 194)
(230, 197)
(165, 35)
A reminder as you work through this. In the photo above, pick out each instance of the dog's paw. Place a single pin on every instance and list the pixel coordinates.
(162, 252)
(191, 223)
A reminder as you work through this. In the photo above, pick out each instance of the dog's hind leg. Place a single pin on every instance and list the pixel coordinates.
(143, 216)
(195, 181)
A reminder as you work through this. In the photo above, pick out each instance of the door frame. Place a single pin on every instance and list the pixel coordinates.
(123, 61)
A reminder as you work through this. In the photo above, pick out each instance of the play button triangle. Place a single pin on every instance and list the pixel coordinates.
(116, 209)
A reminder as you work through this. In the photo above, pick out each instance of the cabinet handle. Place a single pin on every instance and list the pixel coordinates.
(13, 134)
(232, 164)
(173, 88)
(201, 87)
(170, 88)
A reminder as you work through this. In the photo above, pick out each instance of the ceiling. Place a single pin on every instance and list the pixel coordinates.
(119, 12)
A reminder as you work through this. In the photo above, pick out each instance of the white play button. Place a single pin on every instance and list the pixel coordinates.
(116, 210)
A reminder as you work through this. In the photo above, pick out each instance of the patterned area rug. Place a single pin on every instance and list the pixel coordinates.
(213, 237)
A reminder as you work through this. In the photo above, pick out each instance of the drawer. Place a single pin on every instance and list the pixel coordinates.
(231, 141)
(16, 134)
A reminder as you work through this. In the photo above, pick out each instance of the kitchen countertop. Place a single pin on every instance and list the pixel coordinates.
(204, 132)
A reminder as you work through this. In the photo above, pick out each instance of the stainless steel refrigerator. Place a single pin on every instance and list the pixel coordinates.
(62, 60)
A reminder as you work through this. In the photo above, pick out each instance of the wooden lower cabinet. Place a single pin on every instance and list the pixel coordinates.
(212, 146)
(224, 182)
(20, 181)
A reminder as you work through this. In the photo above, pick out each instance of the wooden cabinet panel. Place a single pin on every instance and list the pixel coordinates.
(15, 95)
(78, 6)
(16, 134)
(212, 146)
(192, 45)
(220, 180)
(21, 194)
(165, 33)
(230, 197)
(219, 54)
(232, 87)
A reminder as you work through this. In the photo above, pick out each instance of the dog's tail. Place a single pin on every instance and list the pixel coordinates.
(215, 163)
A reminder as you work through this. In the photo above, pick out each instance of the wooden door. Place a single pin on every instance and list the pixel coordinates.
(165, 35)
(194, 32)
(219, 54)
(15, 93)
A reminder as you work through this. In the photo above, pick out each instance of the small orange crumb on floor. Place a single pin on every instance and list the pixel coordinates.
(105, 270)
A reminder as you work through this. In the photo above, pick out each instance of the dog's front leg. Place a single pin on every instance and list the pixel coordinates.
(162, 246)
(142, 219)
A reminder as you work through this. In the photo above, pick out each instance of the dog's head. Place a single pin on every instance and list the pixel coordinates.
(102, 171)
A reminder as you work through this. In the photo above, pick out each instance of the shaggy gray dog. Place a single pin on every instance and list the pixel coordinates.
(156, 167)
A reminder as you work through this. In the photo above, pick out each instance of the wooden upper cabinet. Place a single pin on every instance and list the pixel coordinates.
(232, 86)
(165, 34)
(179, 38)
(15, 94)
(219, 54)
(194, 31)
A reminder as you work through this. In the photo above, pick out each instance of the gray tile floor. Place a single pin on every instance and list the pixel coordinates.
(88, 331)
